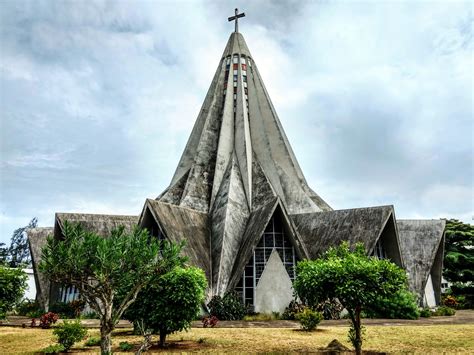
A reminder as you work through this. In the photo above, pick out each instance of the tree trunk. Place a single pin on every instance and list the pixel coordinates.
(106, 328)
(105, 340)
(162, 338)
(357, 328)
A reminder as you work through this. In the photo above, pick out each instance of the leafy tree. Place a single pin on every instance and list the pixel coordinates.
(19, 250)
(13, 283)
(3, 254)
(352, 277)
(169, 303)
(459, 259)
(104, 268)
(398, 305)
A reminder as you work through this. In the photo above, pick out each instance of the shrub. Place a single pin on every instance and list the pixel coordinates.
(292, 310)
(47, 319)
(93, 341)
(444, 311)
(125, 346)
(450, 301)
(69, 310)
(69, 333)
(209, 321)
(398, 305)
(464, 294)
(330, 309)
(53, 349)
(29, 308)
(229, 307)
(13, 284)
(425, 312)
(169, 303)
(90, 315)
(309, 319)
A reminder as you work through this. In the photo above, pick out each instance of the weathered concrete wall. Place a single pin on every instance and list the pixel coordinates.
(37, 238)
(422, 245)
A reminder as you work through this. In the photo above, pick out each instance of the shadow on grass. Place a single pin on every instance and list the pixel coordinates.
(317, 330)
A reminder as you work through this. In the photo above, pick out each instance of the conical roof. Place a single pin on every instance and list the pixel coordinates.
(237, 162)
(238, 129)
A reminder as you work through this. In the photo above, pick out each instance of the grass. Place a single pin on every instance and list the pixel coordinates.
(433, 339)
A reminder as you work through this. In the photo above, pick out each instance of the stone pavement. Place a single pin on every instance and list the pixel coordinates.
(461, 317)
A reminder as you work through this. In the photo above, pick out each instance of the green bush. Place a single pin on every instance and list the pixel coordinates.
(29, 308)
(425, 312)
(464, 294)
(53, 349)
(398, 305)
(229, 307)
(89, 315)
(125, 346)
(169, 303)
(444, 311)
(93, 341)
(330, 308)
(69, 333)
(13, 284)
(292, 310)
(309, 319)
(68, 310)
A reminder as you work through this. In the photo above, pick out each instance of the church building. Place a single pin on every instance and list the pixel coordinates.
(241, 202)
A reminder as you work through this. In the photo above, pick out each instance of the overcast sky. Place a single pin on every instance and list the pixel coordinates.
(98, 99)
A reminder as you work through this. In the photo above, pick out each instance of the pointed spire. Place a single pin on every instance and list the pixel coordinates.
(238, 122)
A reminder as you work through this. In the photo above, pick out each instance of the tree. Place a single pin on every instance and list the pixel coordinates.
(352, 277)
(13, 283)
(102, 269)
(19, 250)
(3, 254)
(170, 303)
(459, 259)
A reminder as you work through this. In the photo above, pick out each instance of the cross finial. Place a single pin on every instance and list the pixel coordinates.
(236, 18)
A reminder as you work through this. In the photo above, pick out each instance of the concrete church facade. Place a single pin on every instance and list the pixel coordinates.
(240, 200)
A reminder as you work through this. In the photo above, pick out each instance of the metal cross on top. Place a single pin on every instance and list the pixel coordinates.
(236, 18)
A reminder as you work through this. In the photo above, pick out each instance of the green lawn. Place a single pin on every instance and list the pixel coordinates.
(433, 339)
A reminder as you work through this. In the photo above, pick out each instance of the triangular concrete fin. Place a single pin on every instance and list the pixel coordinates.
(229, 218)
(262, 191)
(274, 290)
(174, 193)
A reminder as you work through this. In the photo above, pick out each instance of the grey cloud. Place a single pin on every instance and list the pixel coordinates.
(99, 97)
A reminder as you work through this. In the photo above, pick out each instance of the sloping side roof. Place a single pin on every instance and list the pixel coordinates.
(420, 241)
(37, 239)
(101, 224)
(183, 224)
(322, 230)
